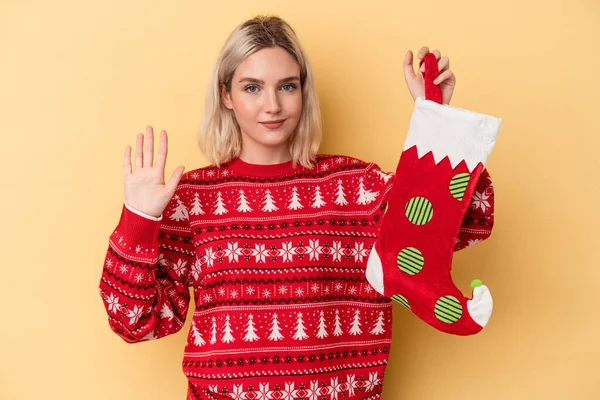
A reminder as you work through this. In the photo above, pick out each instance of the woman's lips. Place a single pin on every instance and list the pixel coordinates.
(273, 125)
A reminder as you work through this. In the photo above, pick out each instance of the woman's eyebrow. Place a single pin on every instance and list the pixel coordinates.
(254, 80)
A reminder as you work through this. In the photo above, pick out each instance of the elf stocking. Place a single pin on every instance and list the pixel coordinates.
(443, 156)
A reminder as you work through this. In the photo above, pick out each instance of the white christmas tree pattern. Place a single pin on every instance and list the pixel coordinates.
(243, 205)
(365, 196)
(213, 332)
(149, 336)
(322, 333)
(384, 176)
(355, 329)
(317, 198)
(300, 332)
(295, 200)
(269, 202)
(198, 340)
(337, 331)
(275, 329)
(227, 336)
(250, 330)
(220, 205)
(196, 206)
(180, 213)
(341, 196)
(165, 312)
(378, 328)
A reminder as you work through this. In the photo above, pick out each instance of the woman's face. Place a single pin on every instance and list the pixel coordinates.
(266, 87)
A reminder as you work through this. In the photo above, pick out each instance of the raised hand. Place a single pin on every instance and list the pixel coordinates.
(415, 82)
(145, 188)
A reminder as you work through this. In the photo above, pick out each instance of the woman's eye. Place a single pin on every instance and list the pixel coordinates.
(290, 87)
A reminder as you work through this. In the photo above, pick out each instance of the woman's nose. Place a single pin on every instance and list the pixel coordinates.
(272, 103)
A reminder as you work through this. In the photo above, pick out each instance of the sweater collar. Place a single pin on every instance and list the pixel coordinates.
(242, 168)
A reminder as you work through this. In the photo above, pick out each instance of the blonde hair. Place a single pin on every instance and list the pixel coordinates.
(220, 138)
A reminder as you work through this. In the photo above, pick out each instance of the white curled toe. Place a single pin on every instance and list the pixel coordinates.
(481, 305)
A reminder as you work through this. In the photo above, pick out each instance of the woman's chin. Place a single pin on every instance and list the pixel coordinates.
(274, 139)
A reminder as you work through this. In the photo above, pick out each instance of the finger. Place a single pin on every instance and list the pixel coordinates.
(437, 55)
(442, 77)
(175, 178)
(443, 64)
(127, 163)
(149, 147)
(423, 51)
(138, 150)
(161, 156)
(409, 71)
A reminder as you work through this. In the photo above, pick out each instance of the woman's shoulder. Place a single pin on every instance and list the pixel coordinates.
(337, 160)
(207, 172)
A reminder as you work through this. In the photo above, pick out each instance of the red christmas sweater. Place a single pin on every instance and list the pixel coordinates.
(276, 257)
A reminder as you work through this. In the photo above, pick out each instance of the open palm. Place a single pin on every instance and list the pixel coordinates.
(145, 188)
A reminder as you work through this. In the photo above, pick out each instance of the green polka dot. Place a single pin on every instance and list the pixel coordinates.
(458, 185)
(448, 309)
(410, 260)
(401, 299)
(419, 210)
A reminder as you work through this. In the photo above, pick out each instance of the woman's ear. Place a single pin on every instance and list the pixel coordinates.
(226, 97)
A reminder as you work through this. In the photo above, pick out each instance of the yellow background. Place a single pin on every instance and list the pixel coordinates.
(79, 79)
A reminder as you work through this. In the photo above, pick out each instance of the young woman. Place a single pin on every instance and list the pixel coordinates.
(272, 237)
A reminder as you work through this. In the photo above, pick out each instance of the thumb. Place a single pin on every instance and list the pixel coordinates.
(175, 178)
(409, 72)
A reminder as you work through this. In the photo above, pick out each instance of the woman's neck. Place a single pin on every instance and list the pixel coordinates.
(265, 157)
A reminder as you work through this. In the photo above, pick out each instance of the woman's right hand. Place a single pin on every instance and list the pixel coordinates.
(145, 188)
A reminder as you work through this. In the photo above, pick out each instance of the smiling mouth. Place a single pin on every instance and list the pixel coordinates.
(273, 124)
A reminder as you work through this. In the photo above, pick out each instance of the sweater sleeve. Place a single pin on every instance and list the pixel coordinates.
(380, 183)
(479, 219)
(145, 279)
